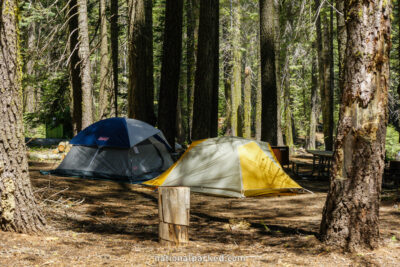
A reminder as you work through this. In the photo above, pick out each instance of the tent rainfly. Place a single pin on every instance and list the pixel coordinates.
(120, 149)
(229, 166)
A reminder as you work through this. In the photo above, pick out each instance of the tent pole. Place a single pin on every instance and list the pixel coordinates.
(91, 161)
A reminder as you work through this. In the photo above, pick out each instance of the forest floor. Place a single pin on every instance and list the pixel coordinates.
(94, 223)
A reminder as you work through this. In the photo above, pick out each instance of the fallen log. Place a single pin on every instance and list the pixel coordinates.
(43, 156)
(61, 146)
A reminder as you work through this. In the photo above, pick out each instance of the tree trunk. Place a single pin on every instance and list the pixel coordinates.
(114, 51)
(215, 86)
(227, 69)
(398, 58)
(74, 68)
(180, 122)
(342, 39)
(170, 69)
(351, 213)
(247, 104)
(314, 101)
(84, 54)
(206, 89)
(18, 210)
(278, 74)
(321, 76)
(150, 66)
(327, 89)
(192, 15)
(258, 116)
(236, 69)
(331, 80)
(268, 79)
(103, 110)
(141, 84)
(288, 113)
(30, 94)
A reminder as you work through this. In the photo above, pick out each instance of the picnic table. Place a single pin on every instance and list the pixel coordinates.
(321, 161)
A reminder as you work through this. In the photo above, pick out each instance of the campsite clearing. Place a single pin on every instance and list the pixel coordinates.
(95, 223)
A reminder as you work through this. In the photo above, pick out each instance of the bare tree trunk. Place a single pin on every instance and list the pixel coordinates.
(84, 54)
(236, 69)
(327, 87)
(247, 104)
(74, 68)
(170, 69)
(206, 89)
(258, 117)
(18, 210)
(342, 39)
(192, 11)
(180, 129)
(227, 69)
(30, 100)
(314, 102)
(278, 78)
(141, 84)
(215, 85)
(288, 113)
(351, 213)
(152, 119)
(103, 110)
(268, 78)
(331, 80)
(114, 51)
(398, 58)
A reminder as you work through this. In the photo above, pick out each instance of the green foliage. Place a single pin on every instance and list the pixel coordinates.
(33, 127)
(392, 143)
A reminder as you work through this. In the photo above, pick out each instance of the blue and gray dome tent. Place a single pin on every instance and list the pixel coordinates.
(120, 149)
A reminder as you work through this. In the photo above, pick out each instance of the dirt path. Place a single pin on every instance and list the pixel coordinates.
(95, 223)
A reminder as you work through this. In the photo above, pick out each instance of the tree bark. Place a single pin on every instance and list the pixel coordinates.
(236, 69)
(258, 116)
(331, 80)
(342, 39)
(114, 51)
(84, 54)
(206, 81)
(215, 86)
(180, 122)
(289, 138)
(278, 74)
(170, 69)
(18, 210)
(141, 83)
(30, 94)
(327, 85)
(314, 101)
(268, 78)
(74, 68)
(103, 110)
(351, 213)
(191, 32)
(398, 58)
(227, 74)
(247, 104)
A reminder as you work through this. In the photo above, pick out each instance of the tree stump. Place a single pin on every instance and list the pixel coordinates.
(174, 214)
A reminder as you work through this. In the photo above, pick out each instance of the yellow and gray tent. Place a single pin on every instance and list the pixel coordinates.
(229, 166)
